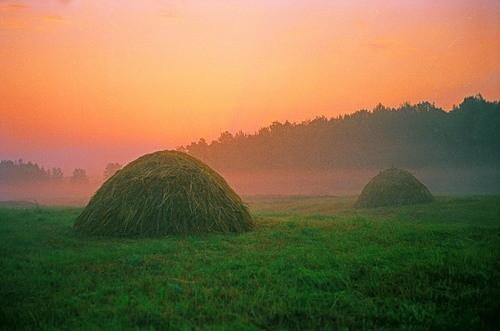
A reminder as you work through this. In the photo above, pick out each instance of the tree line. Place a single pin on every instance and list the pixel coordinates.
(409, 136)
(19, 171)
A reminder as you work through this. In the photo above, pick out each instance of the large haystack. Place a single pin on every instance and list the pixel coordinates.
(393, 187)
(164, 193)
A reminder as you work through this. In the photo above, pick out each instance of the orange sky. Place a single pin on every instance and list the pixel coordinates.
(84, 82)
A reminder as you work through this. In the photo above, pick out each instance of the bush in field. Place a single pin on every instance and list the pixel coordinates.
(164, 193)
(393, 187)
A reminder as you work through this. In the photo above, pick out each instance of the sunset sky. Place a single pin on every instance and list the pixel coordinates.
(85, 82)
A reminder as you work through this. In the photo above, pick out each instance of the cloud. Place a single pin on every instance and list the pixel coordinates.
(12, 15)
(19, 16)
(13, 7)
(53, 17)
(18, 6)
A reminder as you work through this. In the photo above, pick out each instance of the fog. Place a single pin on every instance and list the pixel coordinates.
(477, 180)
(454, 152)
(46, 193)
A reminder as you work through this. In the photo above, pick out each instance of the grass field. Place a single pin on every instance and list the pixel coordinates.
(311, 263)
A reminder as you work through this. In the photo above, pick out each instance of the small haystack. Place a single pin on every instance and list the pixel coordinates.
(393, 187)
(163, 193)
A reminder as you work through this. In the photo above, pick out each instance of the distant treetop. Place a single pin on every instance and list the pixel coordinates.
(409, 136)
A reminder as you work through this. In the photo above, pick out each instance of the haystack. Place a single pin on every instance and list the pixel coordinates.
(163, 193)
(393, 187)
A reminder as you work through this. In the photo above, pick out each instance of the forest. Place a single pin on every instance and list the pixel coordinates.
(20, 171)
(410, 136)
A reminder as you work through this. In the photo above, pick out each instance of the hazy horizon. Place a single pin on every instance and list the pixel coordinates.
(67, 159)
(452, 152)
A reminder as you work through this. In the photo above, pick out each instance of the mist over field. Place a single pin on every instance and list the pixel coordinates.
(350, 181)
(453, 152)
(478, 180)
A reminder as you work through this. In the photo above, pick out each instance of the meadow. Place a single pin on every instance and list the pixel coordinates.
(310, 263)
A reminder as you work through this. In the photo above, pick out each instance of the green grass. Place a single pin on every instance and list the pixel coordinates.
(311, 263)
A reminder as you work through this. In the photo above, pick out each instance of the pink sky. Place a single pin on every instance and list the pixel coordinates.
(88, 82)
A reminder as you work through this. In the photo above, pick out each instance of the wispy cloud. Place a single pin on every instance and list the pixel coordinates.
(13, 7)
(22, 16)
(53, 18)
